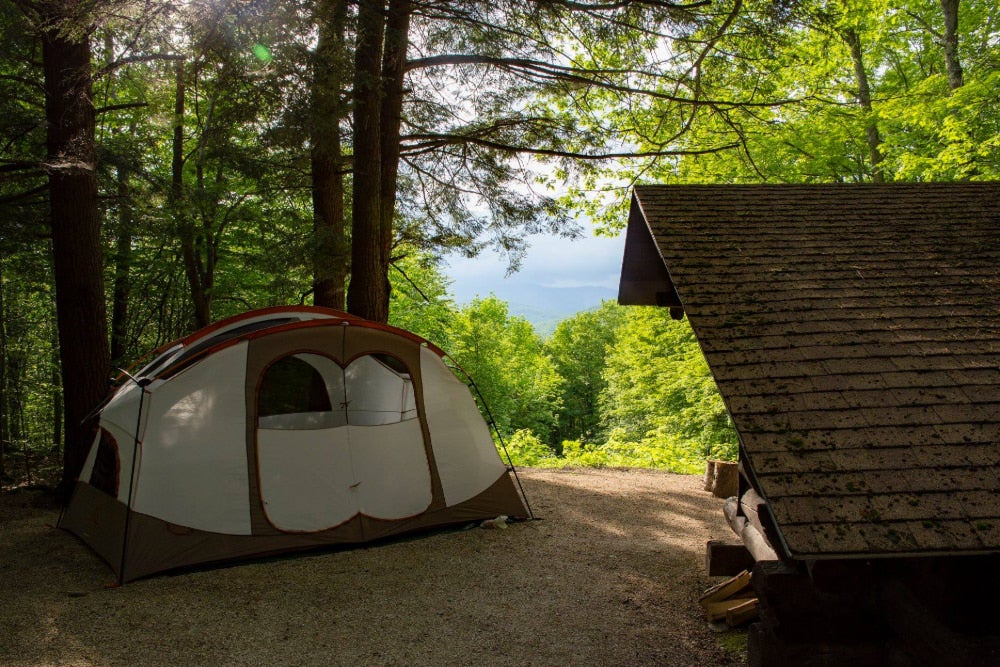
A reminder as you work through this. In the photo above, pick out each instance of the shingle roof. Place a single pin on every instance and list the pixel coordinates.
(854, 333)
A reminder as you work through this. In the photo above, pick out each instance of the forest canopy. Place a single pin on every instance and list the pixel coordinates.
(168, 164)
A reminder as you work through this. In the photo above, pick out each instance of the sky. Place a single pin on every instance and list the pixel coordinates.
(557, 278)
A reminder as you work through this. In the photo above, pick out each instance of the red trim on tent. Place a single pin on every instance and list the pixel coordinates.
(355, 322)
(215, 326)
(336, 320)
(272, 310)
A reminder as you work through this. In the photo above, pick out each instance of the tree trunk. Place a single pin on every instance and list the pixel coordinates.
(368, 295)
(15, 409)
(76, 238)
(864, 96)
(330, 251)
(57, 396)
(4, 430)
(949, 41)
(393, 67)
(185, 226)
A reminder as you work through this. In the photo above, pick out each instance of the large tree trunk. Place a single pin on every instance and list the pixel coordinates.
(949, 41)
(330, 251)
(76, 239)
(193, 269)
(864, 96)
(397, 39)
(4, 430)
(368, 295)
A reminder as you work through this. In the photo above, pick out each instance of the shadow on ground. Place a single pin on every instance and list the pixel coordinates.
(610, 575)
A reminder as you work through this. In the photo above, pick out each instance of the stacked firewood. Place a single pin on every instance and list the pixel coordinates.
(732, 601)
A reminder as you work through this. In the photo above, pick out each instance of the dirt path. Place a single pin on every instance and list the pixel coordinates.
(610, 576)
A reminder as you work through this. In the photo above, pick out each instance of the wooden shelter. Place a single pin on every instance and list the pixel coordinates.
(854, 334)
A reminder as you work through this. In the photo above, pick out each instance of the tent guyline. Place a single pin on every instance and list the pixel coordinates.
(279, 430)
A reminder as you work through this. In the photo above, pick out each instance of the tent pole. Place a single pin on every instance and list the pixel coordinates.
(142, 384)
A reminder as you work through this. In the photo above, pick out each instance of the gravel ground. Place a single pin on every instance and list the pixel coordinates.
(609, 576)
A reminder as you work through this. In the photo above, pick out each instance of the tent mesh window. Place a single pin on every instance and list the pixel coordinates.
(107, 465)
(311, 391)
(292, 386)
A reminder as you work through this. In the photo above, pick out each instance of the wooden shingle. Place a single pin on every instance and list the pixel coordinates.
(854, 334)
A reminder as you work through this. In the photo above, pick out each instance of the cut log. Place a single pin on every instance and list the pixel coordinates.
(742, 613)
(722, 478)
(753, 539)
(727, 589)
(757, 544)
(716, 611)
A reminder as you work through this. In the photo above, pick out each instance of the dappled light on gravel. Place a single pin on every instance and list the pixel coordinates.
(610, 575)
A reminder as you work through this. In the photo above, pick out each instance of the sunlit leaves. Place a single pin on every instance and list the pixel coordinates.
(660, 391)
(506, 358)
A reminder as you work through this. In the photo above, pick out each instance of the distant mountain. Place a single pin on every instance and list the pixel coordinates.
(546, 307)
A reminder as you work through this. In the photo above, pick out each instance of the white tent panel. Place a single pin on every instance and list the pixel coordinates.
(376, 394)
(306, 478)
(194, 467)
(391, 464)
(466, 457)
(333, 378)
(122, 409)
(88, 464)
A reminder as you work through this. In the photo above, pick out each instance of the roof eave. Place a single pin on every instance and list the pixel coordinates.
(645, 280)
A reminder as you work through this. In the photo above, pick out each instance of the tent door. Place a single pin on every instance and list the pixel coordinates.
(333, 442)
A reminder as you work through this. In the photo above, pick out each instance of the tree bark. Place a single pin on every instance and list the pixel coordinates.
(397, 38)
(368, 295)
(949, 42)
(864, 97)
(75, 220)
(4, 430)
(330, 251)
(57, 394)
(200, 298)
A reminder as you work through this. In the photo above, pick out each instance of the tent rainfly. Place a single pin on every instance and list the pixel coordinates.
(283, 429)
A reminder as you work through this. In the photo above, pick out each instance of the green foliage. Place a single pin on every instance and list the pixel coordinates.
(579, 347)
(661, 392)
(525, 449)
(757, 91)
(506, 358)
(657, 405)
(420, 301)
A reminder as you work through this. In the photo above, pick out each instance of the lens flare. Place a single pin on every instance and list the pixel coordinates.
(262, 53)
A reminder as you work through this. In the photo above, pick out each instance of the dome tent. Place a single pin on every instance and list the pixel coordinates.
(283, 429)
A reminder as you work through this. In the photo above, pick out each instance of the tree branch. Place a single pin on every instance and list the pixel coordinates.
(110, 67)
(119, 107)
(626, 4)
(553, 72)
(430, 141)
(18, 165)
